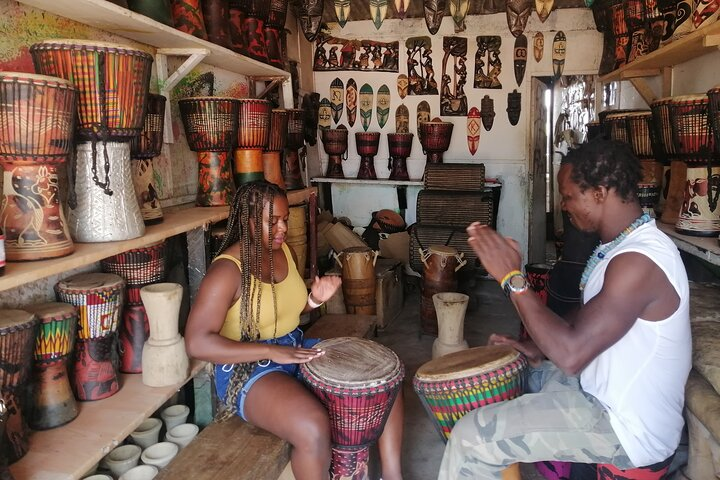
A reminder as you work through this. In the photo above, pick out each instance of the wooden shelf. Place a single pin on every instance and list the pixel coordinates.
(379, 181)
(68, 452)
(692, 45)
(706, 248)
(121, 21)
(178, 221)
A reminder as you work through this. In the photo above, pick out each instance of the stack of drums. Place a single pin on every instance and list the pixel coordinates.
(439, 275)
(113, 83)
(694, 145)
(358, 279)
(143, 149)
(295, 140)
(138, 267)
(211, 130)
(297, 236)
(273, 27)
(253, 135)
(272, 153)
(435, 139)
(98, 298)
(367, 144)
(400, 147)
(36, 129)
(17, 340)
(335, 142)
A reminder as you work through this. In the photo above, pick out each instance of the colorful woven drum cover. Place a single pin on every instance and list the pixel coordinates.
(98, 298)
(37, 118)
(400, 147)
(691, 133)
(253, 123)
(457, 383)
(138, 266)
(210, 123)
(149, 143)
(113, 82)
(640, 132)
(663, 129)
(278, 130)
(56, 332)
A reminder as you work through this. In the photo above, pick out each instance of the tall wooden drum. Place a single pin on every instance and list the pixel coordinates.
(253, 136)
(435, 138)
(399, 146)
(272, 153)
(295, 141)
(367, 144)
(143, 149)
(439, 275)
(358, 279)
(335, 143)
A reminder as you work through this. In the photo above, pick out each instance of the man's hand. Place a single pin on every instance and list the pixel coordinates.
(526, 347)
(499, 255)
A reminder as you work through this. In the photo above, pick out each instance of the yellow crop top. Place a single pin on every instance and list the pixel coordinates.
(291, 299)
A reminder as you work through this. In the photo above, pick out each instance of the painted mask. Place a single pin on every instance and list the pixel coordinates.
(378, 10)
(383, 105)
(558, 53)
(366, 105)
(310, 18)
(520, 58)
(402, 120)
(401, 6)
(434, 11)
(324, 114)
(513, 108)
(473, 130)
(402, 85)
(336, 99)
(351, 96)
(458, 11)
(543, 8)
(517, 12)
(342, 11)
(487, 112)
(538, 46)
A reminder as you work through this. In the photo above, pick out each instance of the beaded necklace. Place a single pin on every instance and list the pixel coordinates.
(602, 250)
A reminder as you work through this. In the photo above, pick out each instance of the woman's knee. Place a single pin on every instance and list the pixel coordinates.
(312, 429)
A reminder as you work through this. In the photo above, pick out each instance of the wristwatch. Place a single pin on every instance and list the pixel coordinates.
(515, 283)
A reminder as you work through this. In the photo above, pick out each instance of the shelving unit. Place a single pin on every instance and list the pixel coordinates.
(706, 248)
(356, 181)
(68, 452)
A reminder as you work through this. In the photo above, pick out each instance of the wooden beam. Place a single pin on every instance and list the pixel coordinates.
(667, 81)
(647, 72)
(271, 86)
(711, 40)
(643, 89)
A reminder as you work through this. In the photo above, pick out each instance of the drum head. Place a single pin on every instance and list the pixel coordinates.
(354, 362)
(351, 250)
(442, 250)
(91, 281)
(467, 363)
(13, 320)
(51, 311)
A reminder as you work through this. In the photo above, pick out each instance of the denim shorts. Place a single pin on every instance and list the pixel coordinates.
(223, 372)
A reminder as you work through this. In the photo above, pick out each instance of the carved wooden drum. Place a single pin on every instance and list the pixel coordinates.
(143, 149)
(400, 147)
(439, 275)
(295, 140)
(435, 138)
(253, 135)
(358, 279)
(367, 144)
(272, 153)
(335, 141)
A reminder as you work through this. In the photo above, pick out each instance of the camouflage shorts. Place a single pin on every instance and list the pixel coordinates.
(559, 422)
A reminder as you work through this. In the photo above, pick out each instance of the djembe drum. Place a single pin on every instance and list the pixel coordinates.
(211, 125)
(641, 136)
(399, 146)
(450, 308)
(440, 264)
(17, 339)
(253, 29)
(273, 26)
(253, 135)
(52, 399)
(714, 115)
(143, 149)
(36, 129)
(98, 298)
(435, 139)
(295, 140)
(113, 82)
(335, 141)
(357, 380)
(367, 144)
(358, 279)
(138, 267)
(296, 237)
(272, 153)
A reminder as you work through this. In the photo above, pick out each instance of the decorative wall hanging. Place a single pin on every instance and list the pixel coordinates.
(351, 99)
(311, 12)
(487, 112)
(421, 74)
(488, 77)
(453, 100)
(513, 108)
(520, 58)
(434, 11)
(458, 11)
(538, 46)
(336, 99)
(383, 105)
(402, 119)
(355, 55)
(517, 12)
(401, 6)
(402, 85)
(311, 107)
(558, 54)
(342, 11)
(366, 105)
(544, 7)
(324, 114)
(378, 10)
(473, 130)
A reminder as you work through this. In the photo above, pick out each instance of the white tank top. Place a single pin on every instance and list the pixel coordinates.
(641, 378)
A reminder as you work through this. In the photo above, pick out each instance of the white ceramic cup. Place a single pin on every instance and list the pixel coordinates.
(122, 458)
(174, 416)
(141, 472)
(147, 432)
(182, 434)
(159, 454)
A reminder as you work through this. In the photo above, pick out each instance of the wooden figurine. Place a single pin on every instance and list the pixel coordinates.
(354, 55)
(473, 130)
(453, 100)
(383, 105)
(558, 54)
(488, 75)
(421, 74)
(336, 99)
(366, 104)
(351, 98)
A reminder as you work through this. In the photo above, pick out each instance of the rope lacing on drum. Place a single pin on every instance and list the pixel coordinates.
(102, 130)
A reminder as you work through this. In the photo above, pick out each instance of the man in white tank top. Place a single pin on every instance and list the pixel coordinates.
(612, 389)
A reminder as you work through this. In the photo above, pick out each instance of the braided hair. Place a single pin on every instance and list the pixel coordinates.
(247, 208)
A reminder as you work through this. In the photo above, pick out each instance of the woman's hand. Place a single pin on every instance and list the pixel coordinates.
(526, 347)
(322, 289)
(285, 355)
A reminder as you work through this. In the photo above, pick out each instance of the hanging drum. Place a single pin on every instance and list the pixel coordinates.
(400, 147)
(439, 275)
(435, 138)
(335, 142)
(272, 154)
(188, 17)
(143, 149)
(37, 116)
(236, 20)
(295, 140)
(211, 125)
(367, 144)
(253, 135)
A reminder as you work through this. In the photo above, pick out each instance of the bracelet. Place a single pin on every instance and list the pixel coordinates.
(508, 275)
(312, 303)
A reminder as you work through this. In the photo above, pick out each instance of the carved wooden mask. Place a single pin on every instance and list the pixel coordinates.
(518, 12)
(342, 11)
(311, 12)
(487, 112)
(351, 98)
(543, 8)
(538, 46)
(434, 12)
(513, 108)
(402, 85)
(520, 58)
(558, 53)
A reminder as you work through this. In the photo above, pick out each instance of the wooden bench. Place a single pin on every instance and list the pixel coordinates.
(237, 450)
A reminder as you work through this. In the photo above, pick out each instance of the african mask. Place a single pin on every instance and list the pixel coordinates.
(401, 7)
(520, 58)
(383, 105)
(342, 11)
(311, 12)
(487, 112)
(324, 114)
(538, 46)
(351, 97)
(336, 99)
(311, 106)
(543, 8)
(458, 11)
(402, 85)
(558, 54)
(434, 11)
(517, 12)
(378, 9)
(423, 115)
(513, 108)
(473, 130)
(366, 105)
(402, 119)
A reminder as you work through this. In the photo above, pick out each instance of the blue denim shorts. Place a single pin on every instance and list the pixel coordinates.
(223, 372)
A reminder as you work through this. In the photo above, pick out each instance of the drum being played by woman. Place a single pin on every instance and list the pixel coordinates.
(52, 400)
(357, 380)
(17, 339)
(440, 264)
(358, 279)
(99, 299)
(37, 120)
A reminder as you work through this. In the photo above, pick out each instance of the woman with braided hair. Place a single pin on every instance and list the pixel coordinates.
(245, 320)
